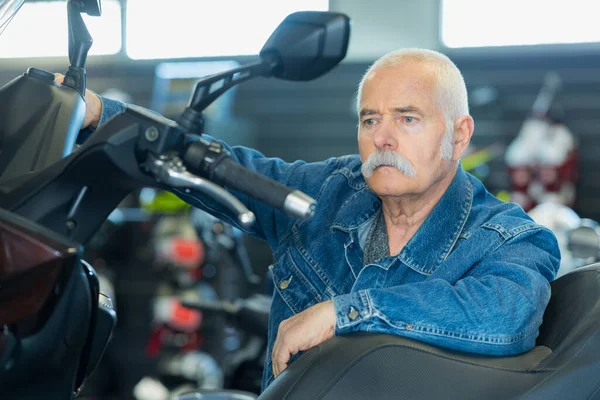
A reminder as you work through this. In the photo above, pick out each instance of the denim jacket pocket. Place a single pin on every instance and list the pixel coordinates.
(293, 286)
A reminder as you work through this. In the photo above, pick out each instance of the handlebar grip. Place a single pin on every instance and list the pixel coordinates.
(290, 201)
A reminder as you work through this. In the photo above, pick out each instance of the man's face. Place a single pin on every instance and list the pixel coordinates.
(399, 113)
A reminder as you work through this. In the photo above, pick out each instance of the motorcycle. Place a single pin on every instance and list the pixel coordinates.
(56, 323)
(55, 320)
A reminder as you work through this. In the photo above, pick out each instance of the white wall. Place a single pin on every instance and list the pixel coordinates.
(379, 26)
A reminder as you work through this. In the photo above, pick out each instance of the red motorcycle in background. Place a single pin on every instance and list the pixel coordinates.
(543, 162)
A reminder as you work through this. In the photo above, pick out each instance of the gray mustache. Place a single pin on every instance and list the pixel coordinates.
(388, 158)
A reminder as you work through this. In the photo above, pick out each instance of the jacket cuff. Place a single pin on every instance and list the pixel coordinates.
(352, 310)
(109, 109)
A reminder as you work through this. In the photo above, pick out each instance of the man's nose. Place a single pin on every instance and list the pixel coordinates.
(385, 137)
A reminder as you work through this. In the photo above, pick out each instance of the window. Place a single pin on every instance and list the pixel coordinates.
(40, 30)
(175, 81)
(482, 23)
(192, 28)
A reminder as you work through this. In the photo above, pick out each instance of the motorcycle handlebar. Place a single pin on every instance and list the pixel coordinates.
(290, 201)
(210, 160)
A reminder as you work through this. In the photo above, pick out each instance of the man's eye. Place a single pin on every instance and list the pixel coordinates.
(409, 120)
(369, 122)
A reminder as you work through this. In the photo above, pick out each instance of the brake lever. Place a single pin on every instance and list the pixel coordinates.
(171, 171)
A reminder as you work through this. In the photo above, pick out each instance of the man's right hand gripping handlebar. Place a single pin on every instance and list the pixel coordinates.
(210, 160)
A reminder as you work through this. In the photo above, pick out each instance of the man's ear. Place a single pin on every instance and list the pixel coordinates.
(463, 130)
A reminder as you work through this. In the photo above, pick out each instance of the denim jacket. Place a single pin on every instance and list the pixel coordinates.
(474, 277)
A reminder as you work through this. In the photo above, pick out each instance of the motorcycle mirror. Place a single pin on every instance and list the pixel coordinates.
(306, 45)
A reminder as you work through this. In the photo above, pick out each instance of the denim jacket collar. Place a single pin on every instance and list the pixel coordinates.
(438, 234)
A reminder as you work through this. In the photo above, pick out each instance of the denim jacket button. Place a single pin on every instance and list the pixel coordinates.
(285, 283)
(353, 314)
(409, 327)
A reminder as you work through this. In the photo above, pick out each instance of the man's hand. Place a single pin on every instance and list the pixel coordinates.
(93, 105)
(302, 332)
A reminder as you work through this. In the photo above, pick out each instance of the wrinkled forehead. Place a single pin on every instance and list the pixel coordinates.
(409, 82)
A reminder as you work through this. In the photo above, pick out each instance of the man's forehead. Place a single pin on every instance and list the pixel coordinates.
(410, 74)
(401, 86)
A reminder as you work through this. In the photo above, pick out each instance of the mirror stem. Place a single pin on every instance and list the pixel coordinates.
(80, 42)
(192, 120)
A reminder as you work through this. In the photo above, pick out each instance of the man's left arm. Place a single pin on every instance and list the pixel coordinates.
(495, 309)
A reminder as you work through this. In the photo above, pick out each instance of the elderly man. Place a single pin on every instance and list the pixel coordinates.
(404, 241)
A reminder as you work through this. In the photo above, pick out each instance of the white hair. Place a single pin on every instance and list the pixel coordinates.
(452, 95)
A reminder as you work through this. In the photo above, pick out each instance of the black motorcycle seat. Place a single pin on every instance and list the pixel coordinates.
(565, 364)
